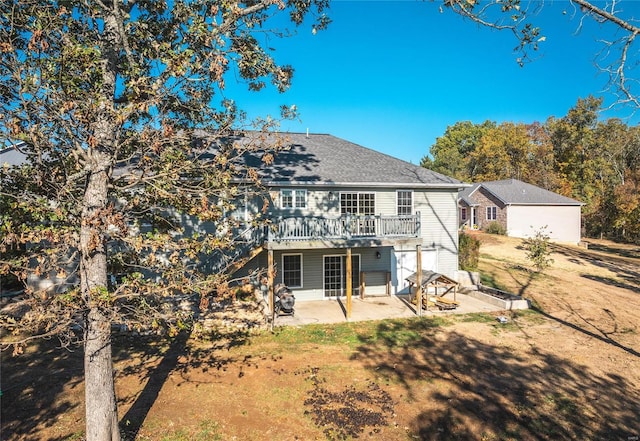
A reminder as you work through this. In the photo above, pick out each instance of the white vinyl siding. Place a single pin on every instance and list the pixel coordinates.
(563, 222)
(439, 226)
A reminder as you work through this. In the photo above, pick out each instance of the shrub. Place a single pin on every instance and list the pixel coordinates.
(539, 249)
(496, 228)
(469, 252)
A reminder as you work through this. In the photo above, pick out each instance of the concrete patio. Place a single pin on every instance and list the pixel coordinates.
(372, 308)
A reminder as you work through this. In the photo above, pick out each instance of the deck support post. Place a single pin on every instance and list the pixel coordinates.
(419, 279)
(349, 283)
(270, 277)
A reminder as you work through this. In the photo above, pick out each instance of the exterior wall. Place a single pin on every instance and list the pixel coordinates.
(439, 225)
(313, 269)
(563, 222)
(325, 201)
(485, 199)
(439, 229)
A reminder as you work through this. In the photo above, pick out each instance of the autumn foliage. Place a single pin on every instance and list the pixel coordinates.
(578, 155)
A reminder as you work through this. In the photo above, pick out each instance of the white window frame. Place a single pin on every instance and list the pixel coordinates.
(410, 192)
(301, 269)
(492, 213)
(463, 213)
(358, 194)
(294, 195)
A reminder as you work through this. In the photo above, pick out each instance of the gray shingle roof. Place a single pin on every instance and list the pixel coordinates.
(12, 155)
(515, 192)
(465, 194)
(325, 159)
(321, 159)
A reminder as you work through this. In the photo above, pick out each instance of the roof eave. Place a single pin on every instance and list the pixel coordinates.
(364, 184)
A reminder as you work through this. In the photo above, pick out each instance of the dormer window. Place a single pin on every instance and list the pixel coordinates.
(293, 198)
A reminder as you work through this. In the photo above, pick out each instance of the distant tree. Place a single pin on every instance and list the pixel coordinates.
(539, 249)
(450, 154)
(541, 160)
(111, 99)
(501, 153)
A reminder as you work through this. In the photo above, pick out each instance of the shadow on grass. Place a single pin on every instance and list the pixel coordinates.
(601, 335)
(156, 363)
(35, 385)
(627, 271)
(618, 251)
(33, 388)
(472, 390)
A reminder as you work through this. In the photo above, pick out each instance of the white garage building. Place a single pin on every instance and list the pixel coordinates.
(521, 208)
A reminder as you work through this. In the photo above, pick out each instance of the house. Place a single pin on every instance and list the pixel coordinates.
(330, 198)
(521, 208)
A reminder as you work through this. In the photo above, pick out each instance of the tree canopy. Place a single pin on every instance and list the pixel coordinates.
(120, 111)
(596, 162)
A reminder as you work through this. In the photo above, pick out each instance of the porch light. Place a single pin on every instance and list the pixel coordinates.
(378, 255)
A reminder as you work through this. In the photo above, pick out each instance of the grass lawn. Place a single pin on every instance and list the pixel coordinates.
(568, 370)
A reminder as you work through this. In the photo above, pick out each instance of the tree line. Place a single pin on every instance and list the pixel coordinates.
(578, 155)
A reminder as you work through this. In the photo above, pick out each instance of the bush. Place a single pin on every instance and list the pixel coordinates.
(469, 252)
(539, 249)
(496, 228)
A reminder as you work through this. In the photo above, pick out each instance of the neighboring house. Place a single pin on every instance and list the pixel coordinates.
(521, 208)
(329, 197)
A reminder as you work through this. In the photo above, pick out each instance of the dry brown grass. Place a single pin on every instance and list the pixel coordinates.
(569, 371)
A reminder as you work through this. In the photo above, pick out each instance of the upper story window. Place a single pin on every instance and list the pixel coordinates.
(492, 213)
(358, 203)
(463, 213)
(404, 202)
(293, 198)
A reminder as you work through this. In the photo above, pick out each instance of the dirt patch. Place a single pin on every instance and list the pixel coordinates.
(569, 370)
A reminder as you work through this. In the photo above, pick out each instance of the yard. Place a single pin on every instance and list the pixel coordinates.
(569, 369)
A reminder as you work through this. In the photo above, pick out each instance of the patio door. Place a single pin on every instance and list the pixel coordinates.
(335, 275)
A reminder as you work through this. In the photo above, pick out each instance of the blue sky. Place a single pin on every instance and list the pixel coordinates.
(392, 75)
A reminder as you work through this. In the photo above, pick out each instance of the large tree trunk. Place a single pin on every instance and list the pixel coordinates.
(100, 398)
(101, 410)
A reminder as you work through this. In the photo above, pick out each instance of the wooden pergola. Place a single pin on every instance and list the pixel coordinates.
(431, 287)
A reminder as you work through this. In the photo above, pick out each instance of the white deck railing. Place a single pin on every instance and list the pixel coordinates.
(344, 227)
